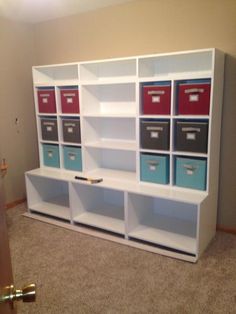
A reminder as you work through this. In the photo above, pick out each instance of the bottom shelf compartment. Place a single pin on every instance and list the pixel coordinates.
(163, 225)
(57, 207)
(163, 222)
(48, 196)
(98, 207)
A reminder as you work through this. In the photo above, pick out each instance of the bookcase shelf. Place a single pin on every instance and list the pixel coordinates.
(109, 71)
(176, 218)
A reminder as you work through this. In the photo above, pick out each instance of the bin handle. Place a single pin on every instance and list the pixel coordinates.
(153, 162)
(156, 92)
(154, 128)
(72, 154)
(191, 129)
(194, 90)
(44, 95)
(190, 167)
(50, 152)
(69, 94)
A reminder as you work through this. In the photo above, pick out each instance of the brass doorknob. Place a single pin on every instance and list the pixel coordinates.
(26, 294)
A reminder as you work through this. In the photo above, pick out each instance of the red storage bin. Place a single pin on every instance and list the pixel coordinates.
(156, 99)
(46, 101)
(194, 98)
(70, 100)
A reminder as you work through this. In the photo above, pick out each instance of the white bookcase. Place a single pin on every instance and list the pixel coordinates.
(166, 219)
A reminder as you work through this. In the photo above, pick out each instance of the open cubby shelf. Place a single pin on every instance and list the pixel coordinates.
(149, 126)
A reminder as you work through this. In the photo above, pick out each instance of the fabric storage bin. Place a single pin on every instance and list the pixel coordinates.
(191, 136)
(71, 130)
(49, 129)
(69, 100)
(51, 155)
(154, 168)
(156, 98)
(191, 173)
(194, 98)
(72, 158)
(155, 134)
(46, 100)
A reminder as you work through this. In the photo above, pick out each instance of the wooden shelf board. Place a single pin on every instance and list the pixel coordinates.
(189, 154)
(124, 181)
(176, 76)
(57, 83)
(110, 80)
(194, 117)
(71, 144)
(113, 144)
(109, 115)
(61, 83)
(154, 116)
(165, 238)
(49, 142)
(154, 151)
(58, 207)
(114, 175)
(101, 221)
(66, 115)
(49, 83)
(46, 114)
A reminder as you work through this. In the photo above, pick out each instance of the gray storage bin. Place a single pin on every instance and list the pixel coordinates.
(191, 136)
(155, 135)
(71, 130)
(49, 129)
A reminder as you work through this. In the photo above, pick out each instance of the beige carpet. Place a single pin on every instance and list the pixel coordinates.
(76, 273)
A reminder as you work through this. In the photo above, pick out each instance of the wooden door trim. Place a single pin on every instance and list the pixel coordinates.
(15, 203)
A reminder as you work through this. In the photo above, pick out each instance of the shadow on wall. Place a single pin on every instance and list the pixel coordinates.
(227, 184)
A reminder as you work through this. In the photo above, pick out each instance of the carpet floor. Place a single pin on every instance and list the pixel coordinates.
(77, 273)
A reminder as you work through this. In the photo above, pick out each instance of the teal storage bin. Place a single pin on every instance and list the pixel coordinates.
(51, 155)
(72, 158)
(154, 168)
(191, 173)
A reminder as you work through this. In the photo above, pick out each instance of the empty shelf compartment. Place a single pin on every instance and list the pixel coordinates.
(98, 207)
(164, 222)
(48, 196)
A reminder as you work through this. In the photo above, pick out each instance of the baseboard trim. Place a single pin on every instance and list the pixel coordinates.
(15, 203)
(225, 229)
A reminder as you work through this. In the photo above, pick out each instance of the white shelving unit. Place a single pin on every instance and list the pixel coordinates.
(166, 219)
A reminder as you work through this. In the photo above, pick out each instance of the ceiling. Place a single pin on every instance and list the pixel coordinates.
(34, 11)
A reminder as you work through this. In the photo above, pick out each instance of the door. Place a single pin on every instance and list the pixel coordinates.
(6, 277)
(8, 293)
